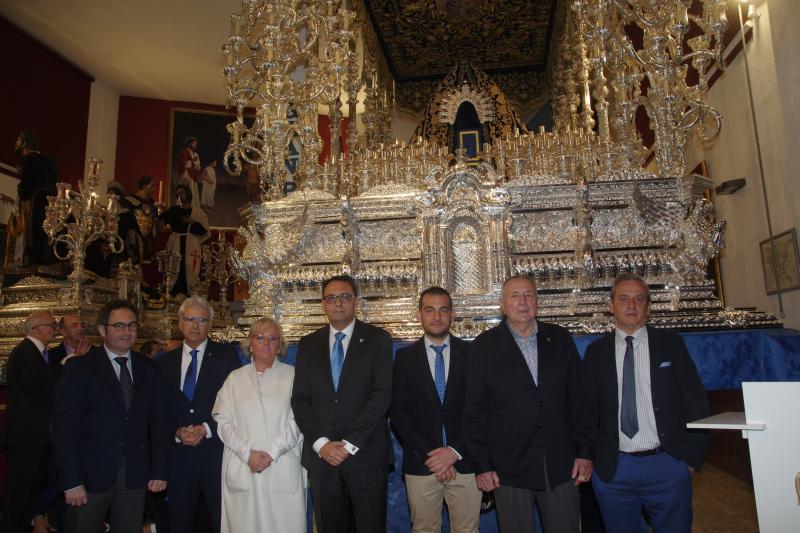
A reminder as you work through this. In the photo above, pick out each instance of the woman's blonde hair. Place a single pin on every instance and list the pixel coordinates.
(260, 325)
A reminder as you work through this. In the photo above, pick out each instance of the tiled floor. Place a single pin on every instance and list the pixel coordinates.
(723, 503)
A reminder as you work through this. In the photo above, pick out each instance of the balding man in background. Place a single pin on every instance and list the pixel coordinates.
(31, 378)
(73, 332)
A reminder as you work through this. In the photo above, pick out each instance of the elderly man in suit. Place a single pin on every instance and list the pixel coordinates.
(109, 429)
(427, 407)
(527, 420)
(31, 378)
(191, 376)
(341, 394)
(645, 388)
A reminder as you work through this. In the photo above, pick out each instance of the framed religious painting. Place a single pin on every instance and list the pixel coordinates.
(198, 142)
(781, 268)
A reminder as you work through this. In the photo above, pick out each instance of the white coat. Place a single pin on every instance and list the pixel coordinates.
(253, 413)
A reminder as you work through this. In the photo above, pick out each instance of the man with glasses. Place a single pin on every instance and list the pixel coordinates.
(191, 376)
(342, 391)
(109, 429)
(31, 378)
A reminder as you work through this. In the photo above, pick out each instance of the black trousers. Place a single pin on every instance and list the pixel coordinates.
(188, 488)
(26, 479)
(345, 501)
(124, 507)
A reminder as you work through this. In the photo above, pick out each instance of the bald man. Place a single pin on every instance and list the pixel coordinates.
(73, 333)
(31, 378)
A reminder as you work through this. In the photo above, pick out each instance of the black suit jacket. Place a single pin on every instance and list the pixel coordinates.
(30, 387)
(93, 432)
(416, 413)
(219, 360)
(512, 425)
(357, 412)
(677, 392)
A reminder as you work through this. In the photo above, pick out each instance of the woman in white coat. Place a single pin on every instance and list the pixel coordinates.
(263, 484)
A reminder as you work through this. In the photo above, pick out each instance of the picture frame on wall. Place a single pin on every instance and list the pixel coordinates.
(199, 165)
(787, 261)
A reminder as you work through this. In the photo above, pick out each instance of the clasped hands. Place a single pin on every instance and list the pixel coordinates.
(440, 462)
(191, 435)
(258, 461)
(334, 453)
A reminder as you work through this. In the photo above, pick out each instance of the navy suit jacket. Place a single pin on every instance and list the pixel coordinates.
(93, 432)
(511, 424)
(417, 415)
(357, 411)
(219, 360)
(677, 392)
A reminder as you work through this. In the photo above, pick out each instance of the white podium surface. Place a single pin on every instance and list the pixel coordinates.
(729, 420)
(774, 452)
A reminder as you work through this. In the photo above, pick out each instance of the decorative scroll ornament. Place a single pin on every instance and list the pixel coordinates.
(452, 101)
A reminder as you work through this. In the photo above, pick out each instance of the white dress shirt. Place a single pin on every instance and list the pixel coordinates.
(111, 356)
(647, 436)
(186, 359)
(348, 334)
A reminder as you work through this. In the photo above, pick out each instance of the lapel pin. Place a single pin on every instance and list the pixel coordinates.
(361, 339)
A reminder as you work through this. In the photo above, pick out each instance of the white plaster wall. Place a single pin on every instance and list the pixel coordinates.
(403, 125)
(775, 73)
(101, 136)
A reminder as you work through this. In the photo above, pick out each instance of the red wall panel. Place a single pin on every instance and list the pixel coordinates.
(43, 93)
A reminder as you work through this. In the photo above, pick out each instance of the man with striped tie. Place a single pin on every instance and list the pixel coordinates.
(341, 394)
(645, 388)
(31, 378)
(427, 406)
(191, 376)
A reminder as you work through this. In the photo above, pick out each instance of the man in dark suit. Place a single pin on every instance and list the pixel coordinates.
(31, 379)
(109, 429)
(427, 407)
(74, 341)
(527, 421)
(342, 391)
(645, 388)
(191, 376)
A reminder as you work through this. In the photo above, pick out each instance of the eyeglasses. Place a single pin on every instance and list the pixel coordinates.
(263, 339)
(345, 297)
(199, 320)
(119, 327)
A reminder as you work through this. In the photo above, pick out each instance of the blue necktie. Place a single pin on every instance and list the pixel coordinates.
(337, 359)
(191, 376)
(46, 356)
(628, 421)
(440, 380)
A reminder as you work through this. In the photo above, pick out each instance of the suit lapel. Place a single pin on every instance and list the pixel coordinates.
(351, 355)
(323, 351)
(107, 375)
(423, 369)
(509, 346)
(456, 363)
(207, 368)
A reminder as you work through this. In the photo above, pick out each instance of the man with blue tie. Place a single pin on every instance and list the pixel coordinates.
(191, 376)
(109, 432)
(427, 406)
(31, 376)
(527, 420)
(341, 394)
(645, 388)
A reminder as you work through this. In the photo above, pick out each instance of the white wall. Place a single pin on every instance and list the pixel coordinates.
(101, 137)
(775, 74)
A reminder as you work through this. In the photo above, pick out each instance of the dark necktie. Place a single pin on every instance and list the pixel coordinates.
(125, 381)
(337, 359)
(46, 356)
(440, 380)
(629, 423)
(191, 376)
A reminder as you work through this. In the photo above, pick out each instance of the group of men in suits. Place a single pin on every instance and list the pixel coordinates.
(516, 413)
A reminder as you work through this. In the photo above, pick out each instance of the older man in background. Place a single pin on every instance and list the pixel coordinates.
(31, 378)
